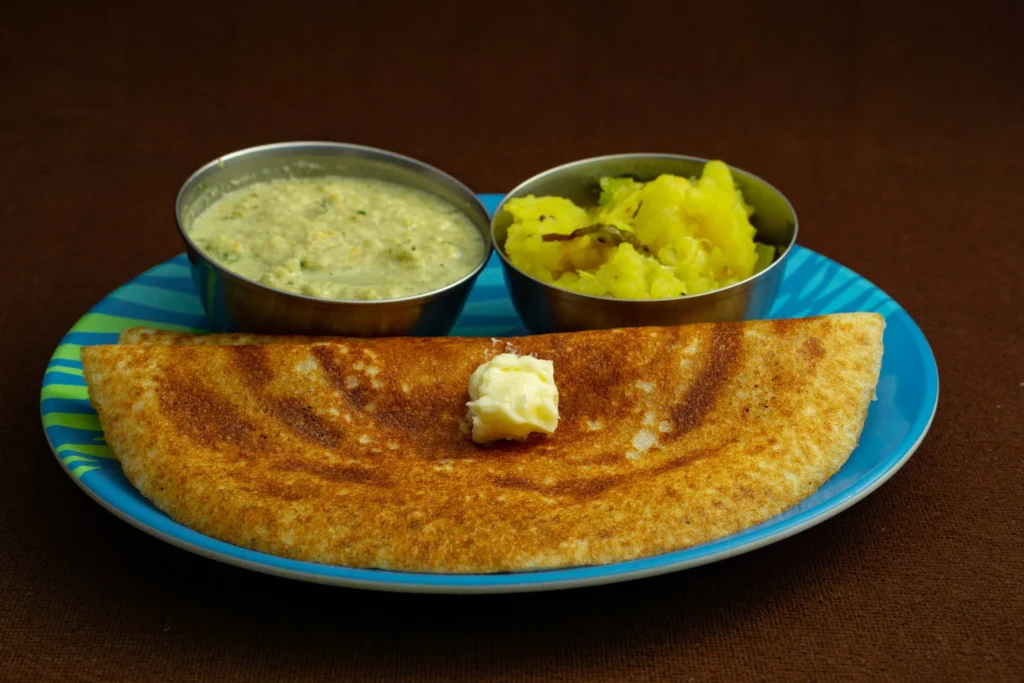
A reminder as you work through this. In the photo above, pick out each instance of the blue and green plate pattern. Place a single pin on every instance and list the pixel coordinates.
(164, 297)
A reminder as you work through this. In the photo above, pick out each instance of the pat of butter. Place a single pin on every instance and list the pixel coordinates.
(513, 397)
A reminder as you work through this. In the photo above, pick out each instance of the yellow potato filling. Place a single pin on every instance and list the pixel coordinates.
(669, 237)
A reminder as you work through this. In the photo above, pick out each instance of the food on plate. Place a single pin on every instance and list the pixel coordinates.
(358, 453)
(344, 238)
(149, 335)
(512, 397)
(669, 237)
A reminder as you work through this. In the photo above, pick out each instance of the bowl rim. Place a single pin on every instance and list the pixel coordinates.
(381, 154)
(721, 292)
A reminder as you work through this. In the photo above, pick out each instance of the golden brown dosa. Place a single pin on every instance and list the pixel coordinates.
(148, 335)
(356, 453)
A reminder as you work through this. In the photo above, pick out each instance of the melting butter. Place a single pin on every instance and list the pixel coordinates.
(512, 397)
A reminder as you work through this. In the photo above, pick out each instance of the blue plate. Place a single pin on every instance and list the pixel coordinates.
(163, 297)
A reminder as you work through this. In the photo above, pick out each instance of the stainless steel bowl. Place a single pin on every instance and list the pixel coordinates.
(234, 303)
(545, 308)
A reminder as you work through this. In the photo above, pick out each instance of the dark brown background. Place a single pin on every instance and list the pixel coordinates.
(895, 128)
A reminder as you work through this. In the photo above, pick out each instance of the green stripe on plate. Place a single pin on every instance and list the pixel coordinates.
(82, 469)
(72, 420)
(101, 322)
(78, 458)
(64, 391)
(94, 450)
(68, 352)
(65, 371)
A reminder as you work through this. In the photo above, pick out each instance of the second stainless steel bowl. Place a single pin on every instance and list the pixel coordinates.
(545, 308)
(236, 304)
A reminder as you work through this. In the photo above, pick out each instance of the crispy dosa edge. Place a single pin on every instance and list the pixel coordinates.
(559, 519)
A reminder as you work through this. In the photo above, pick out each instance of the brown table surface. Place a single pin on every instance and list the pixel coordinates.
(896, 129)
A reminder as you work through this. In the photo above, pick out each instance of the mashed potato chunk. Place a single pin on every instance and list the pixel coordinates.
(664, 238)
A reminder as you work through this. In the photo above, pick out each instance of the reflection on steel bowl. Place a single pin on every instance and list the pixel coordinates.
(544, 306)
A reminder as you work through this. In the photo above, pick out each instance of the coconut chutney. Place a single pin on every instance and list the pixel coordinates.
(334, 237)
